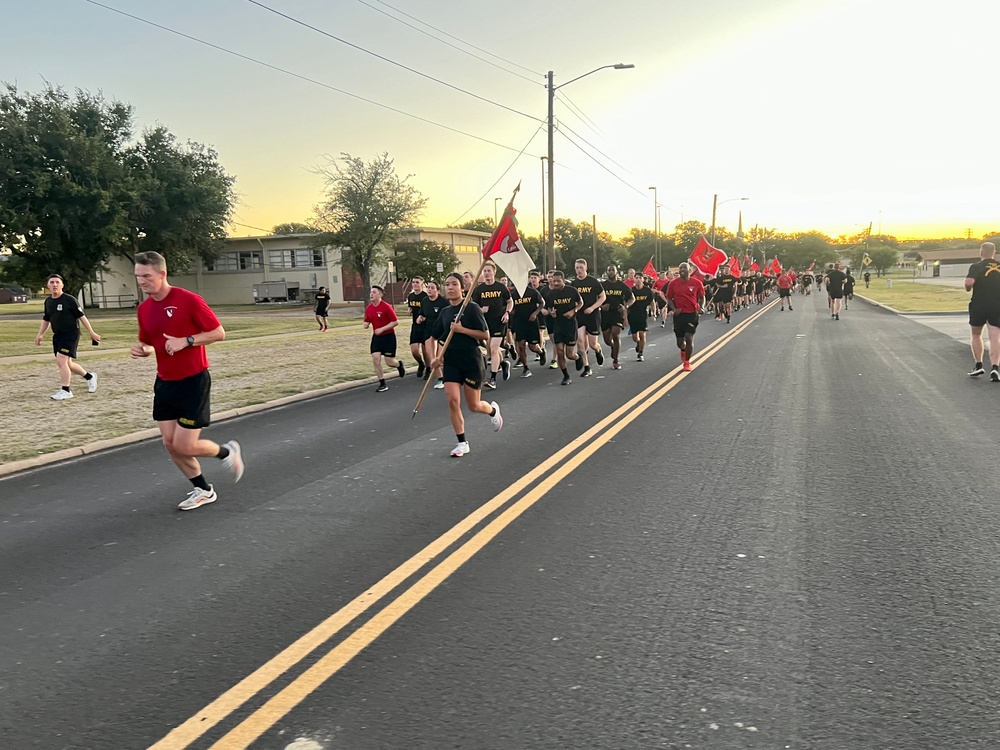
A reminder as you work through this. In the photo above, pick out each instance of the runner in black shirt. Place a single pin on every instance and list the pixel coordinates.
(462, 363)
(322, 306)
(983, 280)
(618, 296)
(430, 308)
(588, 320)
(848, 288)
(495, 300)
(64, 314)
(524, 322)
(725, 287)
(417, 332)
(835, 279)
(546, 292)
(563, 305)
(638, 317)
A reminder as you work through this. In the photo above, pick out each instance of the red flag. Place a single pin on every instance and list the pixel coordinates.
(650, 269)
(811, 266)
(706, 258)
(746, 259)
(734, 267)
(775, 266)
(754, 267)
(504, 248)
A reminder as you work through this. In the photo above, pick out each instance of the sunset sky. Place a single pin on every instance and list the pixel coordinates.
(826, 114)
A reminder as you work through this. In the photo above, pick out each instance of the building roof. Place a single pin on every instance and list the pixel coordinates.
(959, 255)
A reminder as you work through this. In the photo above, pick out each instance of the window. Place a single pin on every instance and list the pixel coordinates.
(466, 248)
(247, 261)
(308, 258)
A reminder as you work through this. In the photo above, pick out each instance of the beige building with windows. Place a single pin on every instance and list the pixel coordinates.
(277, 267)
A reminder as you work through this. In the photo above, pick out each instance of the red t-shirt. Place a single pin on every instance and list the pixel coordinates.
(784, 282)
(380, 315)
(659, 284)
(178, 315)
(686, 294)
(629, 283)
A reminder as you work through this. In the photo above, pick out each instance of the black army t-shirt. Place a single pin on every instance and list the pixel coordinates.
(462, 345)
(986, 282)
(494, 297)
(62, 313)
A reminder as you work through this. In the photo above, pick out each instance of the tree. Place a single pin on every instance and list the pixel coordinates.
(294, 227)
(182, 199)
(577, 241)
(76, 188)
(363, 209)
(480, 225)
(420, 258)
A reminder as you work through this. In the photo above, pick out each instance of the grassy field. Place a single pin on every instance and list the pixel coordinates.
(245, 372)
(907, 295)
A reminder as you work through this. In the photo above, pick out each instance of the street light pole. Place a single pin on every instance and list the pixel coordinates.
(495, 218)
(550, 244)
(715, 203)
(656, 227)
(545, 255)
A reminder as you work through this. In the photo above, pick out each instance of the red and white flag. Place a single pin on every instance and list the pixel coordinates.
(706, 258)
(504, 247)
(754, 267)
(776, 266)
(650, 269)
(734, 267)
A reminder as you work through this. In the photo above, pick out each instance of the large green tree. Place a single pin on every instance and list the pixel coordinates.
(77, 188)
(577, 240)
(363, 208)
(421, 258)
(294, 227)
(480, 225)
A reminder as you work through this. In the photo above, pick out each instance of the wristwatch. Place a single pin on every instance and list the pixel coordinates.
(190, 340)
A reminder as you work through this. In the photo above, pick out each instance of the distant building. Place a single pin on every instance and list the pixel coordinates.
(12, 294)
(952, 263)
(274, 260)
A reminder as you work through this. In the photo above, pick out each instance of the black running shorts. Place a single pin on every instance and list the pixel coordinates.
(613, 317)
(527, 330)
(564, 330)
(384, 344)
(418, 333)
(467, 370)
(685, 323)
(980, 315)
(65, 343)
(590, 321)
(187, 401)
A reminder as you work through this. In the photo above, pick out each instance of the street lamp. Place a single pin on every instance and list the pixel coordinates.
(550, 245)
(495, 211)
(545, 255)
(656, 226)
(715, 203)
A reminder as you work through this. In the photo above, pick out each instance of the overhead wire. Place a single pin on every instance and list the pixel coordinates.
(358, 47)
(299, 76)
(447, 43)
(490, 188)
(561, 96)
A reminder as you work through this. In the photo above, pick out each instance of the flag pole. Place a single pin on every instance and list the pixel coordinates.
(465, 301)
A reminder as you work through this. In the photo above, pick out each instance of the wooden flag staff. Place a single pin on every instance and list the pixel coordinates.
(465, 302)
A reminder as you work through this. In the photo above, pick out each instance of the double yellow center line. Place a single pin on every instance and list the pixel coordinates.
(550, 472)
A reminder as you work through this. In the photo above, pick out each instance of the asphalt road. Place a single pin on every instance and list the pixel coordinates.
(794, 546)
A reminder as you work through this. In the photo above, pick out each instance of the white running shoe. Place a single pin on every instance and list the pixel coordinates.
(61, 395)
(198, 497)
(460, 450)
(496, 420)
(439, 386)
(234, 461)
(92, 383)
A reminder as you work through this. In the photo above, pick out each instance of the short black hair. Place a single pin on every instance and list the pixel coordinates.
(376, 286)
(55, 276)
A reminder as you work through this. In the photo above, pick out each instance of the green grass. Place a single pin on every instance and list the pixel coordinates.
(907, 295)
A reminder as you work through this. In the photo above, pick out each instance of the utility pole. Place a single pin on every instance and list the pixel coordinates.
(593, 242)
(715, 203)
(550, 241)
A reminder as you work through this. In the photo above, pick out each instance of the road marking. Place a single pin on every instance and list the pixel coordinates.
(280, 704)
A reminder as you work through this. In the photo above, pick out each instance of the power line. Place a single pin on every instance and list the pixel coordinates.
(390, 61)
(299, 76)
(447, 43)
(490, 188)
(579, 113)
(452, 36)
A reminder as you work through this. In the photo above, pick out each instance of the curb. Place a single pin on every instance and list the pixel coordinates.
(873, 303)
(16, 467)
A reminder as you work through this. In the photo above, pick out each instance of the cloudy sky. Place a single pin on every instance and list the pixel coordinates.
(826, 114)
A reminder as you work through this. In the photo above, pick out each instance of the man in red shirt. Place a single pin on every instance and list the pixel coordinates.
(659, 288)
(176, 325)
(785, 290)
(684, 298)
(381, 317)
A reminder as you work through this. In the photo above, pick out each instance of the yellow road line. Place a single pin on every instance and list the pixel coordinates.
(183, 735)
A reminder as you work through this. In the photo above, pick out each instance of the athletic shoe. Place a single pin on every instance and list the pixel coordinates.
(198, 497)
(526, 373)
(420, 370)
(995, 375)
(382, 388)
(566, 380)
(505, 369)
(687, 366)
(401, 369)
(615, 365)
(977, 370)
(554, 365)
(579, 362)
(837, 316)
(427, 374)
(460, 450)
(789, 308)
(92, 383)
(663, 325)
(491, 384)
(496, 420)
(234, 461)
(586, 372)
(61, 395)
(639, 358)
(439, 386)
(600, 357)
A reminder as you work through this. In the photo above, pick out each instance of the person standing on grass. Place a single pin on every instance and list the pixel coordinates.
(380, 316)
(322, 305)
(462, 364)
(63, 313)
(983, 280)
(176, 325)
